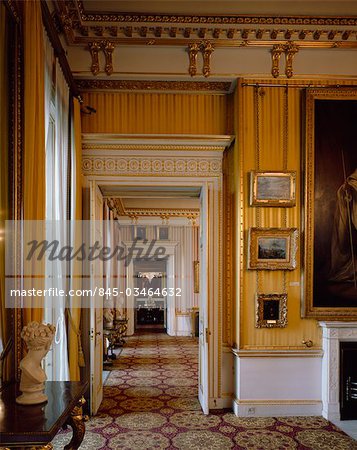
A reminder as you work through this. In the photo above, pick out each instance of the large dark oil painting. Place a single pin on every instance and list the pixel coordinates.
(331, 230)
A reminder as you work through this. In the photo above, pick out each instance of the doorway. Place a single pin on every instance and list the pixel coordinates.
(209, 191)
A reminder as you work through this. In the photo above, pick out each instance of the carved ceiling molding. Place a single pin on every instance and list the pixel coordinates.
(166, 212)
(163, 213)
(212, 19)
(147, 85)
(119, 210)
(152, 147)
(82, 27)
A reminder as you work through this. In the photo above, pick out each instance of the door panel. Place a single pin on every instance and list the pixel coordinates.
(96, 313)
(203, 311)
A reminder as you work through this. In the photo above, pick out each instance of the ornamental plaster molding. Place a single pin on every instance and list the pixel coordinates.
(80, 26)
(150, 142)
(153, 155)
(145, 166)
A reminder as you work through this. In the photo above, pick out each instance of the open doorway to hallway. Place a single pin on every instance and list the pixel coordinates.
(155, 358)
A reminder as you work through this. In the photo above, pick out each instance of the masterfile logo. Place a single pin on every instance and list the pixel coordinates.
(54, 259)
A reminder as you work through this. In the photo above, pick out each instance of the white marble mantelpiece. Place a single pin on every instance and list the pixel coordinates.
(332, 334)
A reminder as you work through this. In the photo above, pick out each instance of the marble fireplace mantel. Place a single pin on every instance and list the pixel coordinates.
(332, 334)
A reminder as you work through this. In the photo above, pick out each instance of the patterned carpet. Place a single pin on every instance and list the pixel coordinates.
(150, 402)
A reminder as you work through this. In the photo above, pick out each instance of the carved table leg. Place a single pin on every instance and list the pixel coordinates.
(76, 422)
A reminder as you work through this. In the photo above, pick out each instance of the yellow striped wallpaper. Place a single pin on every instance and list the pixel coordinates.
(157, 113)
(271, 158)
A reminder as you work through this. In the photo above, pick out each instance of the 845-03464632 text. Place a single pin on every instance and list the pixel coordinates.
(102, 292)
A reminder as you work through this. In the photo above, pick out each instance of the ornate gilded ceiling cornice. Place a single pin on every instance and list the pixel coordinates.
(83, 27)
(164, 213)
(147, 85)
(210, 144)
(119, 210)
(202, 35)
(210, 19)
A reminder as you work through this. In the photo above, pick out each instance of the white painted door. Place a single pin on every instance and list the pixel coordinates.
(96, 312)
(203, 311)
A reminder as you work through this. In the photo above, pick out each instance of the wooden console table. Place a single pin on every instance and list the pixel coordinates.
(34, 427)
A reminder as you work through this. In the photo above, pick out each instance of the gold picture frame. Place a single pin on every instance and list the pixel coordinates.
(273, 188)
(329, 162)
(196, 277)
(271, 311)
(272, 248)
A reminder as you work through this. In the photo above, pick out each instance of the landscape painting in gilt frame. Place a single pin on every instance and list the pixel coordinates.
(272, 188)
(330, 212)
(272, 248)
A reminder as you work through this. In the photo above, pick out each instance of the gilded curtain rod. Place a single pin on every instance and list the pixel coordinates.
(306, 86)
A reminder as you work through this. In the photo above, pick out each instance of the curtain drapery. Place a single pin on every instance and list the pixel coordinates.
(57, 168)
(5, 326)
(76, 359)
(108, 235)
(34, 186)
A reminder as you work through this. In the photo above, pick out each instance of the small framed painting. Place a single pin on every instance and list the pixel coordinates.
(271, 311)
(272, 188)
(272, 248)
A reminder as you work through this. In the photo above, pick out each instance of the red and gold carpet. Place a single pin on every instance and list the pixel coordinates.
(150, 402)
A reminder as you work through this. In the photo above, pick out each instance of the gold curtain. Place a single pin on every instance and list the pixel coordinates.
(4, 184)
(34, 194)
(74, 337)
(78, 146)
(161, 113)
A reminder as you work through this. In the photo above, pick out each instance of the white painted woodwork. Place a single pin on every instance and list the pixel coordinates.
(269, 383)
(104, 165)
(203, 340)
(332, 334)
(96, 311)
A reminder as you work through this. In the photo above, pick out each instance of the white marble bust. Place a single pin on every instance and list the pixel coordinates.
(38, 338)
